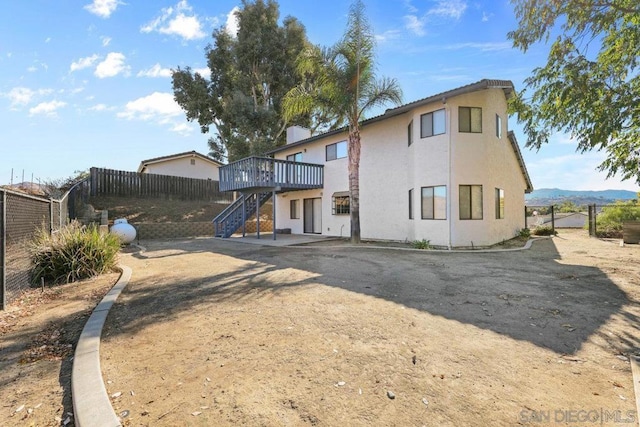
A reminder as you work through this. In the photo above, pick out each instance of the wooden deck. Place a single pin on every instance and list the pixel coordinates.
(267, 174)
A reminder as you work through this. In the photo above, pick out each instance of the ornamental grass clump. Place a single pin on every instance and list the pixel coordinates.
(75, 252)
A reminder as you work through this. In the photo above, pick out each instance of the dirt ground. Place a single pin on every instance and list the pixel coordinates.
(212, 332)
(38, 333)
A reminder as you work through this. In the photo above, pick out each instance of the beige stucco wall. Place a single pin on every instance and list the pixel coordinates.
(389, 168)
(183, 167)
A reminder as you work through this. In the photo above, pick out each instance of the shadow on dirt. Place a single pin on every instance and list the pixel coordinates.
(527, 295)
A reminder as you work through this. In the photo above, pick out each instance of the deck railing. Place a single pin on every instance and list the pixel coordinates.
(264, 172)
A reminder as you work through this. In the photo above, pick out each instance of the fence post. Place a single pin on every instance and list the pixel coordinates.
(525, 217)
(553, 220)
(3, 250)
(595, 224)
(50, 216)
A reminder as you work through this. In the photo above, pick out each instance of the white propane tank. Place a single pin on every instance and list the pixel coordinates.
(125, 231)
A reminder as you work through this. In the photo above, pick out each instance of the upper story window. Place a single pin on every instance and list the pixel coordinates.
(432, 123)
(193, 162)
(470, 119)
(297, 157)
(336, 151)
(498, 126)
(410, 133)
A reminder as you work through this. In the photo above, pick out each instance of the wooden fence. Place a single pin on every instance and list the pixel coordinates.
(108, 182)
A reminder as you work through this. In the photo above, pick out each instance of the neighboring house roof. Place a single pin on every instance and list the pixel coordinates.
(505, 85)
(188, 154)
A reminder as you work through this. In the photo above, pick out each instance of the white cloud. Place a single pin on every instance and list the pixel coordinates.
(112, 66)
(32, 69)
(448, 9)
(103, 8)
(387, 35)
(180, 21)
(410, 7)
(484, 47)
(159, 106)
(105, 41)
(99, 107)
(22, 95)
(47, 108)
(155, 71)
(486, 16)
(47, 40)
(183, 129)
(415, 24)
(204, 72)
(85, 62)
(231, 26)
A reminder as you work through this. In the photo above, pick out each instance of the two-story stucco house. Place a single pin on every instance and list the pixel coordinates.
(444, 168)
(189, 164)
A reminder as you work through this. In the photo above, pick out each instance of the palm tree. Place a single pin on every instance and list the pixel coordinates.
(341, 83)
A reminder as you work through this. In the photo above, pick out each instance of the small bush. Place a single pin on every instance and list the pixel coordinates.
(421, 244)
(609, 233)
(544, 230)
(75, 252)
(525, 233)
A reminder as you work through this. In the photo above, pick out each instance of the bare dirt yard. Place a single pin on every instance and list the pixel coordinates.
(212, 332)
(38, 333)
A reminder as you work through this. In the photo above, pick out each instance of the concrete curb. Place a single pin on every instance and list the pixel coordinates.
(91, 404)
(635, 373)
(526, 246)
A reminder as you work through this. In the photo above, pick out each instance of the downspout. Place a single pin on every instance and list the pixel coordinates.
(449, 187)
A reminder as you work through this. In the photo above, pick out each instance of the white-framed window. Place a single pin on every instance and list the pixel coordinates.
(294, 209)
(433, 123)
(434, 202)
(470, 198)
(499, 203)
(340, 203)
(498, 126)
(470, 119)
(336, 151)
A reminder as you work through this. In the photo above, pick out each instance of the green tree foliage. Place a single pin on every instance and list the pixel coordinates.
(568, 207)
(590, 85)
(250, 73)
(340, 83)
(612, 217)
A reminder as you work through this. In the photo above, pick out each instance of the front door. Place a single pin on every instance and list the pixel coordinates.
(313, 215)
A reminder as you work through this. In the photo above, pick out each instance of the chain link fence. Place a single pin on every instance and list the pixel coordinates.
(21, 216)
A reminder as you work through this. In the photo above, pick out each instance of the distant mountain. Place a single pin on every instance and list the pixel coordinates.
(548, 196)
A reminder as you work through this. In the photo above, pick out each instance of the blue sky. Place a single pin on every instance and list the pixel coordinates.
(87, 84)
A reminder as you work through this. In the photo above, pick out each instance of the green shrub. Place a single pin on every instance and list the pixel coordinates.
(421, 244)
(544, 230)
(612, 217)
(75, 252)
(524, 233)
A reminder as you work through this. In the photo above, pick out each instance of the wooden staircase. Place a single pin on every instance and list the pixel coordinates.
(232, 218)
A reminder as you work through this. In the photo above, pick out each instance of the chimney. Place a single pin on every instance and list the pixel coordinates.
(297, 133)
